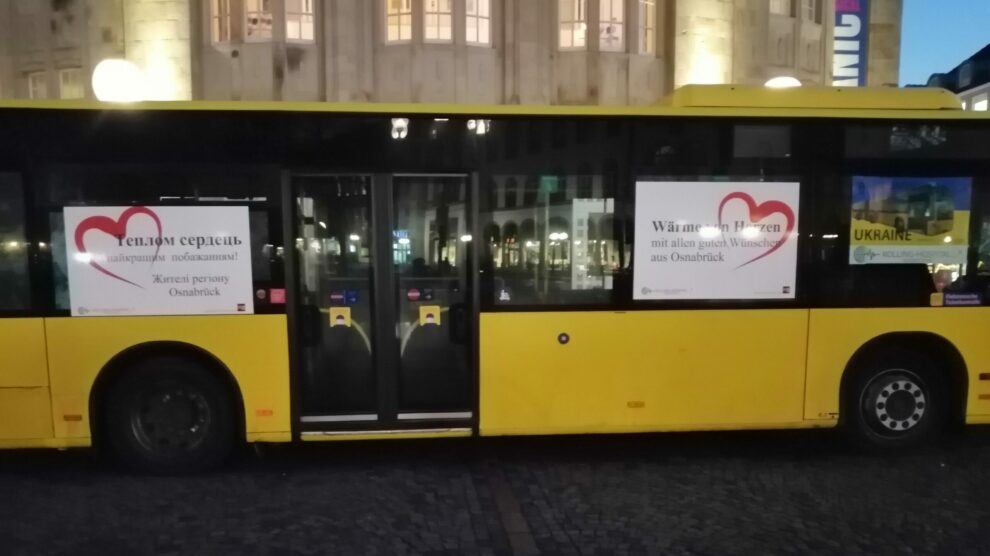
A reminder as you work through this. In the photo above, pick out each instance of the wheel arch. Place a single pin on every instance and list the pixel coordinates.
(933, 345)
(119, 363)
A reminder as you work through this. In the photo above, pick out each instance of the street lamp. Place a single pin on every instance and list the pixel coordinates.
(118, 80)
(783, 82)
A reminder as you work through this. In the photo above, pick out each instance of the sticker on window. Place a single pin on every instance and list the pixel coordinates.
(715, 240)
(158, 260)
(909, 220)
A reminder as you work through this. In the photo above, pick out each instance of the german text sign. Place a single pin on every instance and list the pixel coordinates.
(158, 260)
(715, 240)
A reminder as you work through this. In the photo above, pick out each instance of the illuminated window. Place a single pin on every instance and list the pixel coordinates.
(399, 20)
(610, 25)
(438, 20)
(647, 26)
(259, 20)
(38, 85)
(299, 20)
(573, 24)
(980, 104)
(220, 18)
(781, 7)
(965, 75)
(70, 83)
(479, 22)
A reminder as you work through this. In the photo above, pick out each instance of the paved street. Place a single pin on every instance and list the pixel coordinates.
(713, 493)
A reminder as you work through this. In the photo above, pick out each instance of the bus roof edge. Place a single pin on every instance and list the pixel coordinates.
(840, 98)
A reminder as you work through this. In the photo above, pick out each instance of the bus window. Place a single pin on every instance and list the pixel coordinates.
(914, 141)
(558, 246)
(109, 186)
(761, 141)
(13, 245)
(895, 241)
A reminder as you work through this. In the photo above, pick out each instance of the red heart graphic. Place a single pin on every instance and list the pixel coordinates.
(758, 213)
(116, 228)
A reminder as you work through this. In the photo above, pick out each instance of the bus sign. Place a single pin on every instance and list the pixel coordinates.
(158, 260)
(715, 240)
(909, 220)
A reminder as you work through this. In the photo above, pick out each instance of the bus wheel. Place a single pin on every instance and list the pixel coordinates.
(896, 400)
(169, 415)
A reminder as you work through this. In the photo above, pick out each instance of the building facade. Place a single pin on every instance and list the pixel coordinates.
(970, 80)
(443, 51)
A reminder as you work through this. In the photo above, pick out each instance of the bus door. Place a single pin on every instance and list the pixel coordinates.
(382, 302)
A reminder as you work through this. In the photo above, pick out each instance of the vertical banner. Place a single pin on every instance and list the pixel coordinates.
(852, 43)
(158, 260)
(715, 240)
(909, 220)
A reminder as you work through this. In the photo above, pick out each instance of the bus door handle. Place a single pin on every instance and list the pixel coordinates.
(458, 315)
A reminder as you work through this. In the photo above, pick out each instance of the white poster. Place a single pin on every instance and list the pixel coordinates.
(715, 240)
(158, 260)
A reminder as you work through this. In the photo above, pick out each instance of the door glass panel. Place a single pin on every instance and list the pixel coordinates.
(334, 250)
(430, 248)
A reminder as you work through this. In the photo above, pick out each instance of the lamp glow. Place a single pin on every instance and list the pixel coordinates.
(783, 82)
(117, 80)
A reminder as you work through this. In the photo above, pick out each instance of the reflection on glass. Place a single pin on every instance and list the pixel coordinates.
(560, 241)
(13, 246)
(430, 249)
(334, 251)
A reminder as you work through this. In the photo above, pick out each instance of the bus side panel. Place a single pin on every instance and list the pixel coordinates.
(25, 404)
(22, 342)
(836, 334)
(254, 348)
(641, 371)
(25, 413)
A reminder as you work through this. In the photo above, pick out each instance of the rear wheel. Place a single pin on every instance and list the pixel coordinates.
(896, 399)
(169, 415)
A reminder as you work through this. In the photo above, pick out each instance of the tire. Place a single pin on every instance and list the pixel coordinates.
(897, 399)
(169, 415)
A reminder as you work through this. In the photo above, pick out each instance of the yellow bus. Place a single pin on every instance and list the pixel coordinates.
(180, 278)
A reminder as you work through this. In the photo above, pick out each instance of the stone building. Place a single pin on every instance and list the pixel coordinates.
(970, 80)
(445, 51)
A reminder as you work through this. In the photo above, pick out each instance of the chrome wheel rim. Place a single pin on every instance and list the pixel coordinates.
(895, 402)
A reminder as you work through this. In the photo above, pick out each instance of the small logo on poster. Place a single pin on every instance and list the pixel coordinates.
(241, 307)
(863, 254)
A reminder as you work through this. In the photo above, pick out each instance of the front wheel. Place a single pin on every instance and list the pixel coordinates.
(895, 400)
(169, 415)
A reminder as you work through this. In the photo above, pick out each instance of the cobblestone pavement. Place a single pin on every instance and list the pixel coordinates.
(712, 493)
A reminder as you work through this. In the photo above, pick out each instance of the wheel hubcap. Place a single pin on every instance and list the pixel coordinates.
(900, 405)
(171, 419)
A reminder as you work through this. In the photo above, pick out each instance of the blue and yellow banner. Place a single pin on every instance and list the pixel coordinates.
(910, 220)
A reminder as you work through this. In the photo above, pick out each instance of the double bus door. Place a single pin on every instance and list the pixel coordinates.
(383, 302)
